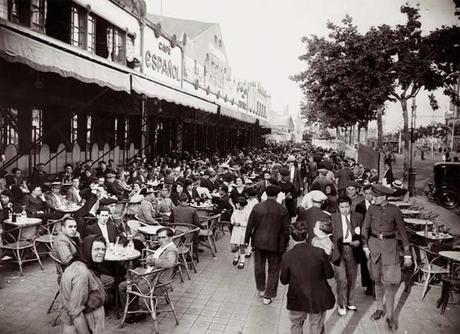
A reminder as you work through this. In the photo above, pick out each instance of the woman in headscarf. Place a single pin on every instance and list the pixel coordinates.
(81, 290)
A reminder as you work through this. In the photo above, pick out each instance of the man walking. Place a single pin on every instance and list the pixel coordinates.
(346, 236)
(268, 231)
(383, 223)
(306, 269)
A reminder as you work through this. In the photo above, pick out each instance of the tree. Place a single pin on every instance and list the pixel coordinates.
(346, 81)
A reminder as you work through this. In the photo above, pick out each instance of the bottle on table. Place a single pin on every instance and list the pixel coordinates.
(435, 229)
(425, 232)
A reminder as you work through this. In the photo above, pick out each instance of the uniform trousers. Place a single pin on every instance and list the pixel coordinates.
(267, 281)
(387, 278)
(298, 318)
(345, 275)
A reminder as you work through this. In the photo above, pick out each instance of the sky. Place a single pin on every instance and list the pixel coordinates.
(262, 38)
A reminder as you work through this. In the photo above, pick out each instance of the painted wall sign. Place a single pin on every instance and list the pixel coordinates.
(162, 62)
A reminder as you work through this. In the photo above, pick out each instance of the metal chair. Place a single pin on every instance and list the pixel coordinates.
(16, 242)
(149, 288)
(207, 233)
(60, 267)
(424, 262)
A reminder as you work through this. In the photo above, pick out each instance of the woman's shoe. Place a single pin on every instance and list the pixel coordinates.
(240, 265)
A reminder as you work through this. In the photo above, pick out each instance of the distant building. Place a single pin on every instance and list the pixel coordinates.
(453, 122)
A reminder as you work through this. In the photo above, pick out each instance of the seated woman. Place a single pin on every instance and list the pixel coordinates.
(176, 192)
(165, 204)
(81, 290)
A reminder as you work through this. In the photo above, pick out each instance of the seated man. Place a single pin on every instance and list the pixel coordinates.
(73, 193)
(54, 199)
(67, 242)
(104, 226)
(149, 207)
(164, 257)
(37, 207)
(183, 213)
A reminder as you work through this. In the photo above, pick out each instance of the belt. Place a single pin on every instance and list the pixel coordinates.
(381, 236)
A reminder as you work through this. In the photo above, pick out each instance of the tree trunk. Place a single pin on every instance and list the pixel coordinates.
(379, 129)
(359, 134)
(405, 136)
(366, 133)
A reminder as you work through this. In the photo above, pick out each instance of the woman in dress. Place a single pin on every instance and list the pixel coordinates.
(239, 220)
(81, 290)
(237, 191)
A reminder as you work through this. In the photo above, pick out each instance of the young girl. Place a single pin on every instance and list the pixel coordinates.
(239, 220)
(322, 231)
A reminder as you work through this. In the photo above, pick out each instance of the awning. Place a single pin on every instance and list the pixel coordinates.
(44, 54)
(263, 123)
(236, 114)
(151, 88)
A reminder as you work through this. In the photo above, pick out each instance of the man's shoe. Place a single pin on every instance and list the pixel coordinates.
(235, 262)
(352, 307)
(240, 265)
(267, 301)
(391, 324)
(342, 311)
(377, 314)
(247, 255)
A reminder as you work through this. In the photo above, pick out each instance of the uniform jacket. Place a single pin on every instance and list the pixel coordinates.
(306, 269)
(387, 220)
(268, 226)
(356, 220)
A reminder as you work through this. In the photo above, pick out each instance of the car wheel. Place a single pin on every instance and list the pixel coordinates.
(448, 199)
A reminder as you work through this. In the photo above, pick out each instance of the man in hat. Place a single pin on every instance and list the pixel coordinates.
(268, 231)
(294, 177)
(344, 177)
(289, 191)
(382, 228)
(400, 191)
(54, 199)
(314, 213)
(111, 186)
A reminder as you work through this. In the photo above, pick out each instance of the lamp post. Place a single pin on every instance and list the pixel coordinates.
(412, 169)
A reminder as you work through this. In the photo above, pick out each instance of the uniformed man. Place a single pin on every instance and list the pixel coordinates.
(382, 228)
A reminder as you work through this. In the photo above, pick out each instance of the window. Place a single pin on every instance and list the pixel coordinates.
(38, 15)
(88, 130)
(116, 44)
(91, 35)
(78, 27)
(8, 131)
(37, 125)
(29, 13)
(74, 128)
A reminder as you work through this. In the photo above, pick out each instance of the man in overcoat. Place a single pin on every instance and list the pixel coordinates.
(268, 231)
(306, 269)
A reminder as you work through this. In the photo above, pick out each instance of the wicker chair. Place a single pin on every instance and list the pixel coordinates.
(208, 231)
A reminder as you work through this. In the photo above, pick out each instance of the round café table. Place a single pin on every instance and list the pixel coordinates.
(149, 230)
(408, 212)
(431, 239)
(452, 256)
(27, 226)
(418, 221)
(69, 208)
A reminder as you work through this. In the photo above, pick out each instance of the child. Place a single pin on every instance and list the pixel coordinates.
(239, 220)
(322, 231)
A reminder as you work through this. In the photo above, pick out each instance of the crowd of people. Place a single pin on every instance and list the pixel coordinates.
(307, 214)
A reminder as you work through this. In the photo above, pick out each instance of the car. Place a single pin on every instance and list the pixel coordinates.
(446, 177)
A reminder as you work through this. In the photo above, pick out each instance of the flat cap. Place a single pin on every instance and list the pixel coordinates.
(55, 184)
(381, 190)
(322, 171)
(284, 171)
(317, 196)
(272, 190)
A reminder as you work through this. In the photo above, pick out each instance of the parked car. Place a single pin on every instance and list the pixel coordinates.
(446, 177)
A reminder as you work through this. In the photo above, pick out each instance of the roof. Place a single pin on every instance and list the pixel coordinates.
(177, 26)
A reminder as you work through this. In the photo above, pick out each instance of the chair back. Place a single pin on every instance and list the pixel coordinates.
(181, 227)
(60, 267)
(211, 221)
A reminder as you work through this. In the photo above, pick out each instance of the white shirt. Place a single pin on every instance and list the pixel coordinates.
(367, 203)
(345, 228)
(104, 231)
(58, 200)
(292, 173)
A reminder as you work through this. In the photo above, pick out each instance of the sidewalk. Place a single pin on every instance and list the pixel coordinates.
(218, 299)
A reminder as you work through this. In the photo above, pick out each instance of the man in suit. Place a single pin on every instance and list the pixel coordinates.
(92, 195)
(54, 199)
(306, 269)
(67, 241)
(382, 228)
(37, 207)
(314, 214)
(111, 186)
(362, 207)
(295, 177)
(263, 184)
(15, 182)
(104, 226)
(73, 192)
(149, 206)
(344, 176)
(164, 257)
(387, 175)
(268, 231)
(346, 254)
